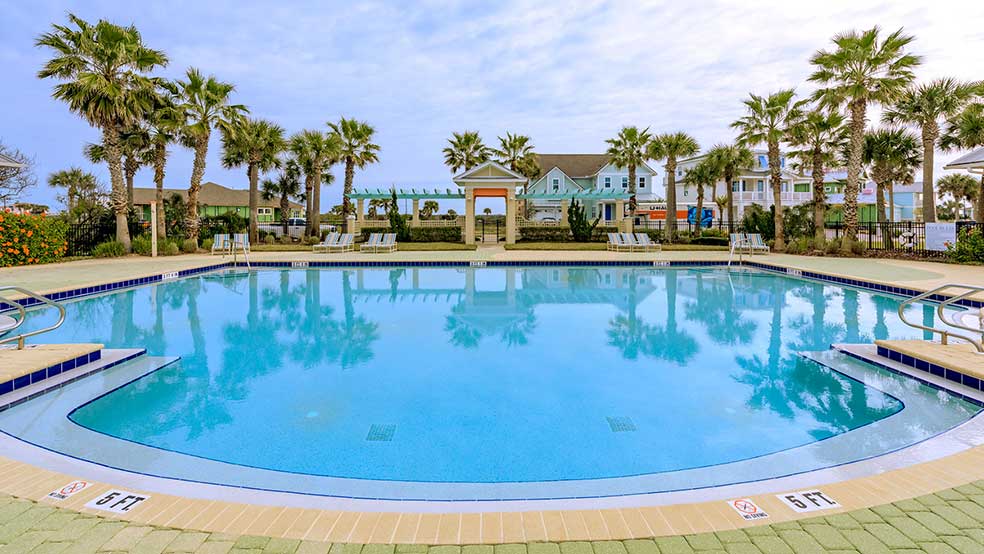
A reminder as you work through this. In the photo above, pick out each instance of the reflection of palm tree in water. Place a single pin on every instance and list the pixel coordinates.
(715, 308)
(633, 336)
(321, 338)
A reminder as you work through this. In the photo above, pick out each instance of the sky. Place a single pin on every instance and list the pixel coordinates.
(569, 73)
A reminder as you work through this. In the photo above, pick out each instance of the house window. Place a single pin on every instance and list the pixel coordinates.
(760, 185)
(826, 189)
(264, 211)
(556, 184)
(785, 186)
(608, 182)
(685, 191)
(642, 182)
(735, 186)
(625, 182)
(763, 162)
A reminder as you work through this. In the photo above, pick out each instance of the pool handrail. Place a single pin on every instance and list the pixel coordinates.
(20, 309)
(969, 290)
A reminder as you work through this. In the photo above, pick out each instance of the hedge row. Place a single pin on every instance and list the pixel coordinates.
(421, 234)
(561, 234)
(31, 239)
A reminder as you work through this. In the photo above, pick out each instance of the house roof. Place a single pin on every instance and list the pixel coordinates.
(573, 165)
(972, 160)
(211, 194)
(7, 161)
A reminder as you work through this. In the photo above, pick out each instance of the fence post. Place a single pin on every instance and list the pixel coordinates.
(153, 228)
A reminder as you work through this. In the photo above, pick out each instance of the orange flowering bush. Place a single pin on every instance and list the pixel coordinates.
(30, 239)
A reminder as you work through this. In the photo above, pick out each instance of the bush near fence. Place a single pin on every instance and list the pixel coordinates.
(30, 239)
(561, 234)
(420, 234)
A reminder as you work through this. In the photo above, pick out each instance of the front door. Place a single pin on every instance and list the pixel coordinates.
(608, 212)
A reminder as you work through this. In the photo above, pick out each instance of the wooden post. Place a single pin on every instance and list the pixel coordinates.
(153, 228)
(416, 213)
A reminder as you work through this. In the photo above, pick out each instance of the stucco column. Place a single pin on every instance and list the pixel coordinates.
(564, 205)
(619, 211)
(415, 222)
(511, 209)
(469, 216)
(359, 209)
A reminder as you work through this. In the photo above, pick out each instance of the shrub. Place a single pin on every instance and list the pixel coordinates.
(398, 223)
(189, 246)
(758, 220)
(171, 249)
(311, 240)
(227, 223)
(286, 239)
(109, 249)
(31, 239)
(711, 241)
(142, 245)
(435, 234)
(581, 229)
(269, 239)
(207, 244)
(969, 247)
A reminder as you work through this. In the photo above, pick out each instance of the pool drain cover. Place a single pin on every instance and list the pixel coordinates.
(621, 424)
(381, 432)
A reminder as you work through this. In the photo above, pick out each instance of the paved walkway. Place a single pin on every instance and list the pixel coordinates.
(949, 522)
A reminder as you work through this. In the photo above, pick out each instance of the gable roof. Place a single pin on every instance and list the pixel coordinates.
(211, 194)
(490, 171)
(971, 160)
(573, 165)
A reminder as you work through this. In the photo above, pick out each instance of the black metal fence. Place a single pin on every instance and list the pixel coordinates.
(898, 236)
(83, 237)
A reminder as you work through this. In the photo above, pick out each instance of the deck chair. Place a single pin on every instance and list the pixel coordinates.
(756, 244)
(387, 243)
(646, 244)
(629, 241)
(615, 242)
(371, 244)
(330, 239)
(345, 243)
(739, 243)
(221, 244)
(240, 240)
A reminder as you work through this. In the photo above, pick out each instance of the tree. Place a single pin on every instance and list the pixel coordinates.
(429, 209)
(629, 149)
(101, 68)
(966, 131)
(487, 211)
(83, 193)
(731, 158)
(205, 102)
(819, 136)
(316, 152)
(163, 123)
(577, 218)
(704, 174)
(136, 150)
(672, 147)
(516, 153)
(767, 121)
(255, 143)
(15, 180)
(893, 155)
(961, 187)
(286, 186)
(357, 151)
(722, 203)
(375, 204)
(861, 70)
(398, 224)
(465, 151)
(452, 214)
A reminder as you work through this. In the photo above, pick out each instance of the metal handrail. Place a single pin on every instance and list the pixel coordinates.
(944, 333)
(44, 300)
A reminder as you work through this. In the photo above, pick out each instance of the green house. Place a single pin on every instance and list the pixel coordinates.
(215, 199)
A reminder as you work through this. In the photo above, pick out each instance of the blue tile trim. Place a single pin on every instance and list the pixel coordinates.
(81, 360)
(932, 369)
(50, 371)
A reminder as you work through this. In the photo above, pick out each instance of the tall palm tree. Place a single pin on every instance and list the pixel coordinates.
(136, 149)
(893, 156)
(101, 68)
(704, 174)
(286, 186)
(862, 69)
(671, 147)
(357, 151)
(966, 131)
(923, 106)
(819, 136)
(465, 151)
(255, 143)
(768, 120)
(316, 152)
(205, 102)
(629, 149)
(516, 153)
(731, 158)
(164, 121)
(80, 187)
(962, 187)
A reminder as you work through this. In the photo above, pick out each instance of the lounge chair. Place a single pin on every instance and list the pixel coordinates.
(330, 239)
(646, 244)
(387, 244)
(628, 240)
(221, 244)
(241, 241)
(370, 245)
(345, 243)
(739, 243)
(756, 244)
(615, 242)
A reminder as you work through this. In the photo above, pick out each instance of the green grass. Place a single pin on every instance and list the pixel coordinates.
(602, 246)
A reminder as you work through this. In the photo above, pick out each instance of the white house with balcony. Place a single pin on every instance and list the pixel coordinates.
(751, 185)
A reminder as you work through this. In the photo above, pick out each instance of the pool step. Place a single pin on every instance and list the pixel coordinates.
(42, 375)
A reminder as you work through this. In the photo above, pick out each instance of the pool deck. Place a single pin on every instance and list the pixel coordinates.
(935, 507)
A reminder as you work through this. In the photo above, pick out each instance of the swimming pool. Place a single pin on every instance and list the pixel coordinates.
(493, 383)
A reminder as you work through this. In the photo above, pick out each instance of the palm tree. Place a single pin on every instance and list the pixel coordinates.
(136, 150)
(861, 70)
(671, 147)
(962, 187)
(315, 151)
(923, 106)
(487, 211)
(893, 155)
(356, 150)
(429, 209)
(81, 188)
(704, 174)
(731, 158)
(629, 149)
(819, 135)
(255, 143)
(101, 70)
(205, 103)
(163, 123)
(722, 204)
(287, 186)
(966, 131)
(767, 121)
(375, 205)
(465, 151)
(516, 153)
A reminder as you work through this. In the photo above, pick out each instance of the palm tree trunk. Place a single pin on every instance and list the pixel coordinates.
(700, 207)
(197, 172)
(160, 159)
(130, 168)
(858, 109)
(254, 200)
(308, 201)
(929, 133)
(114, 157)
(670, 199)
(314, 221)
(729, 177)
(776, 177)
(891, 203)
(979, 212)
(349, 176)
(284, 208)
(632, 191)
(886, 232)
(819, 199)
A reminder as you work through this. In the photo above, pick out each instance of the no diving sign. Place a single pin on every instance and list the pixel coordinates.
(68, 490)
(117, 501)
(747, 509)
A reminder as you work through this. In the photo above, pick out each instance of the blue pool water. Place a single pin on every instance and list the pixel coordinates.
(488, 375)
